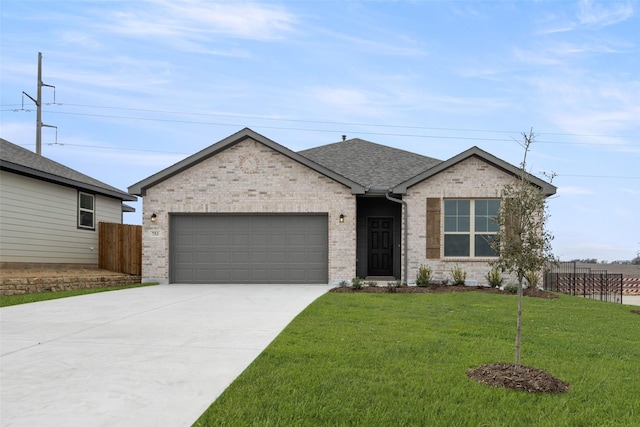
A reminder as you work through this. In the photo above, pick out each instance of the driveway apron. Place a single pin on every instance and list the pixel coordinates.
(153, 356)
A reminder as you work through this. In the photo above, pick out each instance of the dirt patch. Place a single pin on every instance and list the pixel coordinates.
(635, 311)
(439, 289)
(527, 379)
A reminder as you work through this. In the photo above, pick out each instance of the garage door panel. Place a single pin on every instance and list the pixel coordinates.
(279, 257)
(269, 248)
(201, 258)
(221, 258)
(277, 240)
(241, 239)
(259, 258)
(200, 240)
(260, 240)
(221, 239)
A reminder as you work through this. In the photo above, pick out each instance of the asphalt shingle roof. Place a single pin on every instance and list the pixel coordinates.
(20, 160)
(370, 164)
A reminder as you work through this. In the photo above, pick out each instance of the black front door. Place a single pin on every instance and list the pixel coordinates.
(380, 247)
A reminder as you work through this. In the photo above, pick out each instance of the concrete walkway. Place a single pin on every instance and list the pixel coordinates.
(154, 356)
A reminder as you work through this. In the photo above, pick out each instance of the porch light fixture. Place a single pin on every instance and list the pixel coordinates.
(154, 217)
(341, 218)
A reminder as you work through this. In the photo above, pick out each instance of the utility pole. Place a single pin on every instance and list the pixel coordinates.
(39, 108)
(38, 102)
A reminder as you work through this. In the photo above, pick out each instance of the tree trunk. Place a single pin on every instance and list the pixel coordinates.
(519, 324)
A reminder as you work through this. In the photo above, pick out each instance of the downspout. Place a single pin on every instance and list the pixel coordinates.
(406, 235)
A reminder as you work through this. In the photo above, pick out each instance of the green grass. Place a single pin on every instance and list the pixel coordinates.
(401, 360)
(27, 298)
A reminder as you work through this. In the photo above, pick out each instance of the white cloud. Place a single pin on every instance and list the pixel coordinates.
(560, 28)
(80, 39)
(403, 47)
(348, 99)
(602, 14)
(195, 19)
(631, 191)
(605, 107)
(19, 133)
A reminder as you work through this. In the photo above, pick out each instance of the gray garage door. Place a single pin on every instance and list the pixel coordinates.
(220, 248)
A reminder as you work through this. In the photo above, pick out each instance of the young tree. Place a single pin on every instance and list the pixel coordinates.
(523, 243)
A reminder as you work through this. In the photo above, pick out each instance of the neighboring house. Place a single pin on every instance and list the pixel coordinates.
(248, 210)
(49, 213)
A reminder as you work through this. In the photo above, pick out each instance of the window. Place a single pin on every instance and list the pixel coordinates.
(86, 211)
(469, 227)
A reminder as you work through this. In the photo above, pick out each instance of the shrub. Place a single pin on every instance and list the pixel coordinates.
(343, 284)
(532, 279)
(424, 276)
(372, 283)
(357, 283)
(494, 277)
(392, 286)
(511, 288)
(458, 275)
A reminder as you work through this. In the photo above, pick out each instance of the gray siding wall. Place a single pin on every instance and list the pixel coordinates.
(38, 222)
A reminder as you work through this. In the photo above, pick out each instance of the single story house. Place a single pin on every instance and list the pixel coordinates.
(49, 213)
(248, 210)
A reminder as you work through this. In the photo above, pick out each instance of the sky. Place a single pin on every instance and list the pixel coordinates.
(140, 85)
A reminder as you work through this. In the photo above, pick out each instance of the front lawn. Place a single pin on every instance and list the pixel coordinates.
(7, 300)
(401, 360)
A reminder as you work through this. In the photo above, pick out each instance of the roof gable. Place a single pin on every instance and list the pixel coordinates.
(489, 158)
(369, 164)
(141, 187)
(16, 159)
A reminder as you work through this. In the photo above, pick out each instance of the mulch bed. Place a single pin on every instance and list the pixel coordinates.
(527, 379)
(439, 289)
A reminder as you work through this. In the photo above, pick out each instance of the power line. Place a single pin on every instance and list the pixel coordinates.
(253, 117)
(118, 148)
(239, 116)
(407, 135)
(600, 176)
(104, 147)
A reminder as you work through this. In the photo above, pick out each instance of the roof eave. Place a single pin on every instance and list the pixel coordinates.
(546, 187)
(127, 208)
(33, 173)
(140, 188)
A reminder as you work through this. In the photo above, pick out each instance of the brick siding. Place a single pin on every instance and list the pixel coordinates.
(472, 178)
(229, 182)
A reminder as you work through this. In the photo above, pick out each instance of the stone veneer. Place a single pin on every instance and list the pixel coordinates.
(249, 177)
(472, 178)
(37, 284)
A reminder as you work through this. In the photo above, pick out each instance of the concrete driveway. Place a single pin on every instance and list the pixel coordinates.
(154, 356)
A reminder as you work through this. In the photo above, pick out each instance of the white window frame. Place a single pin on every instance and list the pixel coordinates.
(82, 210)
(472, 233)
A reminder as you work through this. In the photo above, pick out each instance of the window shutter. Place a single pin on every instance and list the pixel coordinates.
(433, 228)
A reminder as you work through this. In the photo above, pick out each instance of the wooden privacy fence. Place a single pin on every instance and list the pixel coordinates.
(120, 248)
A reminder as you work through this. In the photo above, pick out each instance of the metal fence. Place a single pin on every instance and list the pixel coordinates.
(569, 279)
